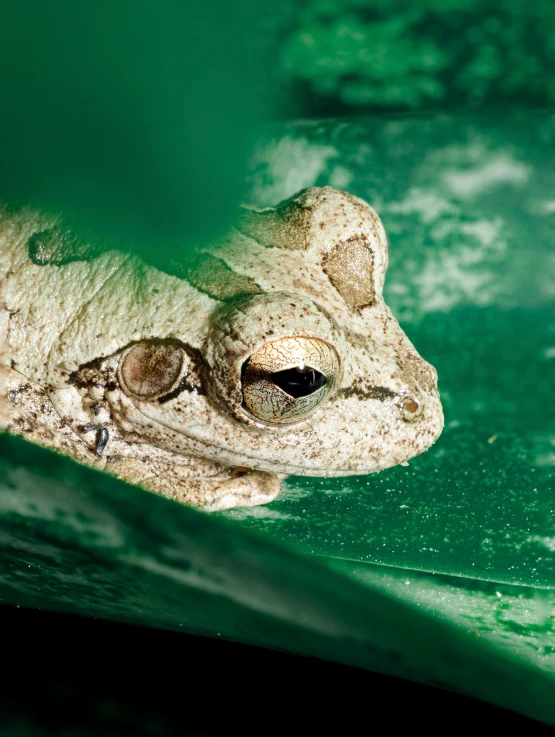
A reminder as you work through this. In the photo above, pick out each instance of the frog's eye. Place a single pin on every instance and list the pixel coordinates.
(287, 379)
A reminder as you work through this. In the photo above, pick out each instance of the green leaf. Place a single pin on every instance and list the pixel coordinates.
(442, 571)
(78, 541)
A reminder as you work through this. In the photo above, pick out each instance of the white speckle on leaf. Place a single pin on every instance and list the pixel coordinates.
(340, 177)
(501, 169)
(548, 542)
(486, 231)
(545, 450)
(257, 513)
(428, 205)
(284, 167)
(545, 207)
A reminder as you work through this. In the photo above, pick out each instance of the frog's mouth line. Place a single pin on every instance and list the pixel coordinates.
(276, 467)
(215, 453)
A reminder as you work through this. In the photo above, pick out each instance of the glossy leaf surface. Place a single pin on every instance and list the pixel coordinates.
(442, 571)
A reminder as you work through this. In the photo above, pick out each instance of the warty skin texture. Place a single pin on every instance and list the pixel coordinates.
(89, 343)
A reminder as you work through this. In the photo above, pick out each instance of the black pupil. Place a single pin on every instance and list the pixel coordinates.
(300, 381)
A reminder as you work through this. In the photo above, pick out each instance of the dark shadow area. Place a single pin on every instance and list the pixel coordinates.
(70, 676)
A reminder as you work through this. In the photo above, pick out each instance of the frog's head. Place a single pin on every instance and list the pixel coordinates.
(306, 371)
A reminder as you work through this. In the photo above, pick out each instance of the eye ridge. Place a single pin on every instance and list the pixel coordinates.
(300, 381)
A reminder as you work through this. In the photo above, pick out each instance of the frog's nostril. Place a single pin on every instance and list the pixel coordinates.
(411, 406)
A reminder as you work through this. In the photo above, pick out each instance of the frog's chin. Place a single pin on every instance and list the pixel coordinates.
(362, 470)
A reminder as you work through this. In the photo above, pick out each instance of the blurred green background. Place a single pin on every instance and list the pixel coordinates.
(353, 56)
(146, 124)
(137, 118)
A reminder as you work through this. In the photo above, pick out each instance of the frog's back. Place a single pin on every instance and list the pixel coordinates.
(44, 281)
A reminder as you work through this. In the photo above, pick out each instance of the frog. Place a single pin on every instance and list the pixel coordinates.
(271, 354)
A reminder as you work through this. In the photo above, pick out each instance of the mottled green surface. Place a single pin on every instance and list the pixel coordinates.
(442, 571)
(518, 619)
(401, 55)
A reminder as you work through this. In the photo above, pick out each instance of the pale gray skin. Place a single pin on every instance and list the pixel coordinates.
(313, 267)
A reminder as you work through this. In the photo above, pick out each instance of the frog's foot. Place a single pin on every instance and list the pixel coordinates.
(242, 488)
(245, 488)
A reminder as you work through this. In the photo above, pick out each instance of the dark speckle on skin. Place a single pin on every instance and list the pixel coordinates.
(381, 393)
(24, 424)
(183, 386)
(20, 390)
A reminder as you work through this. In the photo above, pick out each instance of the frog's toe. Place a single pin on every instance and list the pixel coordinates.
(245, 488)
